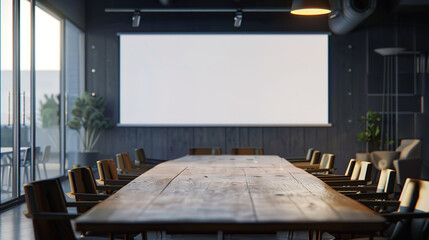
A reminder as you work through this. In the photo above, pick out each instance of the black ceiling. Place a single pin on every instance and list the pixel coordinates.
(201, 3)
(410, 5)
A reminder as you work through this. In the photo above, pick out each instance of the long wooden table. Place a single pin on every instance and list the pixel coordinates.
(251, 194)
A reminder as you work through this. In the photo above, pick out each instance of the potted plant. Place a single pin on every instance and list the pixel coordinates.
(89, 121)
(371, 135)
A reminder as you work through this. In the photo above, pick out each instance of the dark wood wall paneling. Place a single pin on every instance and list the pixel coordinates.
(353, 65)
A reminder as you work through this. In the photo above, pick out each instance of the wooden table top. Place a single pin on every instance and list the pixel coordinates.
(231, 194)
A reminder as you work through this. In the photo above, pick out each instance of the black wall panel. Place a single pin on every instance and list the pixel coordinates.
(353, 68)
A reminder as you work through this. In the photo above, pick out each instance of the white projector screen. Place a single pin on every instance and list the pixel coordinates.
(224, 79)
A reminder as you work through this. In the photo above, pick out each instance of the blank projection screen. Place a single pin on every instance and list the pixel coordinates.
(223, 79)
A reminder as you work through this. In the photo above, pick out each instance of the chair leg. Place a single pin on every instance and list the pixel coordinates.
(44, 168)
(2, 176)
(38, 170)
(9, 175)
(26, 174)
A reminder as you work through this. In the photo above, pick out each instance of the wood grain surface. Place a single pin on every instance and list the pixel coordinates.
(250, 194)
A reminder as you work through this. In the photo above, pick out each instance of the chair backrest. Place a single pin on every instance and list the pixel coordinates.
(414, 198)
(48, 196)
(140, 156)
(324, 160)
(315, 158)
(46, 153)
(386, 182)
(124, 160)
(82, 180)
(420, 226)
(409, 196)
(107, 169)
(327, 161)
(37, 154)
(205, 151)
(350, 167)
(365, 171)
(309, 154)
(247, 151)
(409, 148)
(330, 162)
(27, 157)
(356, 170)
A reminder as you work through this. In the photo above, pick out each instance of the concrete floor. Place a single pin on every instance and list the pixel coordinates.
(14, 225)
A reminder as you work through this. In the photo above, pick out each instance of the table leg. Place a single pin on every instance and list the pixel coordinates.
(310, 235)
(144, 235)
(319, 235)
(219, 235)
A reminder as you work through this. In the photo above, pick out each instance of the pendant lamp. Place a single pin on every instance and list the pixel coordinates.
(310, 7)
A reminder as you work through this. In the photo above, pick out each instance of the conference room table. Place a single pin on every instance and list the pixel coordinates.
(228, 194)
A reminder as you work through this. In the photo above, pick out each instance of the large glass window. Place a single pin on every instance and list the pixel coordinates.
(51, 84)
(25, 94)
(6, 99)
(74, 84)
(48, 78)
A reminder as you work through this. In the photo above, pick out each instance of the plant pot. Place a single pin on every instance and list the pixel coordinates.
(363, 157)
(87, 159)
(71, 159)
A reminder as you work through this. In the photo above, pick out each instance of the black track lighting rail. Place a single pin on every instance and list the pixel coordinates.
(194, 10)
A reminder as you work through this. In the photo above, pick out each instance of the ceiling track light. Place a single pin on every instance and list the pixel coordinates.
(136, 19)
(238, 18)
(310, 7)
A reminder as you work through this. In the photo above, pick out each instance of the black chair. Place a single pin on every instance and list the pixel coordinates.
(141, 158)
(45, 158)
(126, 166)
(326, 165)
(26, 163)
(48, 209)
(307, 157)
(109, 175)
(346, 176)
(84, 188)
(382, 190)
(361, 176)
(247, 151)
(205, 151)
(411, 219)
(315, 159)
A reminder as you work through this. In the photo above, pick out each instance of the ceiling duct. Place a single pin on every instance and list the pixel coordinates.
(347, 14)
